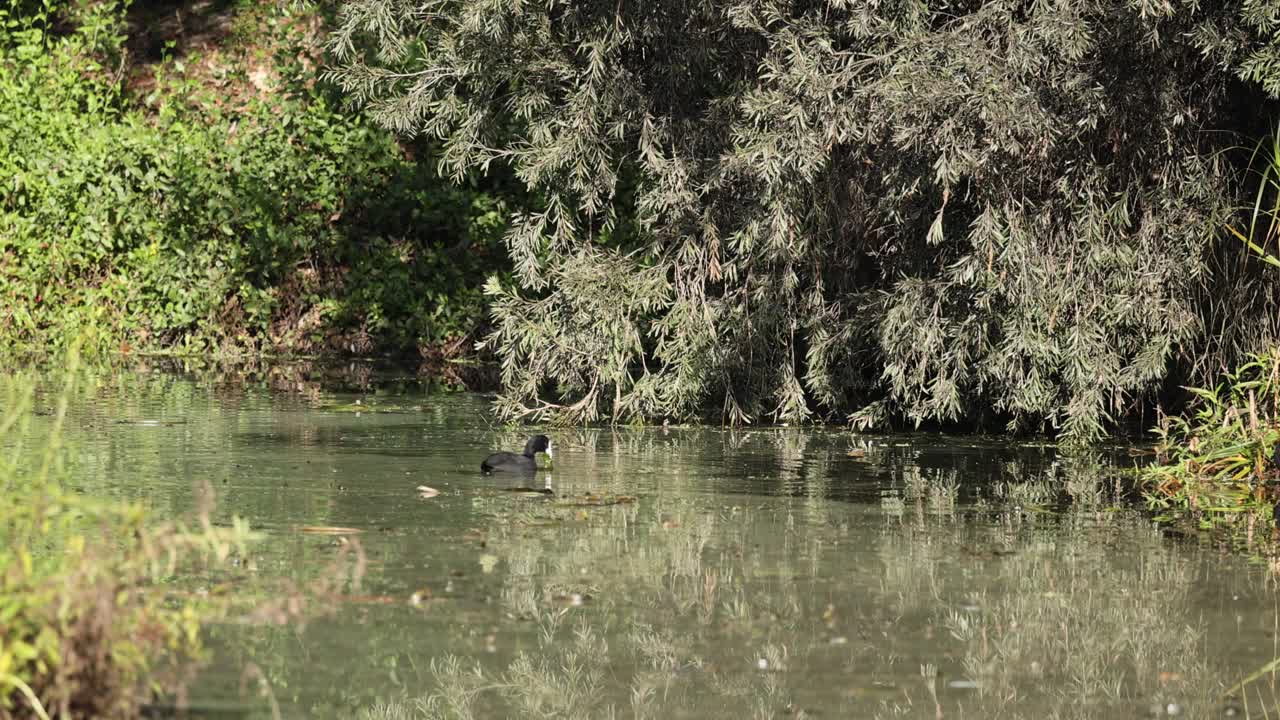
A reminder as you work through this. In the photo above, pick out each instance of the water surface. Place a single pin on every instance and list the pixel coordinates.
(674, 572)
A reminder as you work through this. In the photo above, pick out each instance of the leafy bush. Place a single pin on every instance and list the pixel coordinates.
(84, 629)
(216, 202)
(885, 212)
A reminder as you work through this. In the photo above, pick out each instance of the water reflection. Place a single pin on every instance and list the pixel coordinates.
(684, 572)
(694, 616)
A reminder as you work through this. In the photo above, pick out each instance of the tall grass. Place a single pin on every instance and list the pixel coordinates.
(1214, 460)
(1265, 161)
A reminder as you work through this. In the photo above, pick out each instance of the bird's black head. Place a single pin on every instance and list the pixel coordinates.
(537, 444)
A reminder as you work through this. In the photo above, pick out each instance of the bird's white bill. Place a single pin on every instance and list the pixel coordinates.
(548, 451)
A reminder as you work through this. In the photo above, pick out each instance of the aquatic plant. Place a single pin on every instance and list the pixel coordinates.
(1216, 460)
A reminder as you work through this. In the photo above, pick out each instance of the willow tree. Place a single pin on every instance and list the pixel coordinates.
(877, 210)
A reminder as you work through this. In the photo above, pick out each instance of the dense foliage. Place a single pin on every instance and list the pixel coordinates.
(213, 199)
(924, 211)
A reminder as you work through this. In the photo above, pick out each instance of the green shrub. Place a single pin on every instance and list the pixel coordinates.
(196, 211)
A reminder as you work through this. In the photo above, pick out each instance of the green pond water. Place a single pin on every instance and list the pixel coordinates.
(674, 572)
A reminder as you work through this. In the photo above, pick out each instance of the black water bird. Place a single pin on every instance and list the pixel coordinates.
(511, 462)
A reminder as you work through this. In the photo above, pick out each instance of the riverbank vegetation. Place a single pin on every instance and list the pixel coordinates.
(975, 214)
(1218, 460)
(968, 216)
(1222, 459)
(976, 218)
(175, 180)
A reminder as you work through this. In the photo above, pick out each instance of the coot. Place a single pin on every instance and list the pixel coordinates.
(511, 462)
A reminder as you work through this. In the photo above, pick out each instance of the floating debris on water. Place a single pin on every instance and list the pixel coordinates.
(592, 500)
(359, 408)
(572, 599)
(327, 530)
(526, 491)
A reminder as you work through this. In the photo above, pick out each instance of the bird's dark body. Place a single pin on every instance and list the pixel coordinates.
(507, 462)
(524, 463)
